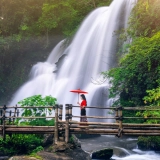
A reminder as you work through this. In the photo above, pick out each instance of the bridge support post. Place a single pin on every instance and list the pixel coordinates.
(60, 111)
(120, 130)
(116, 115)
(70, 112)
(67, 124)
(15, 111)
(56, 125)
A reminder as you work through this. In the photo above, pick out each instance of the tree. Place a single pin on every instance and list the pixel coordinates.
(138, 71)
(144, 20)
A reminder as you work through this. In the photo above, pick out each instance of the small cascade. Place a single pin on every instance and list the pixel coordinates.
(92, 51)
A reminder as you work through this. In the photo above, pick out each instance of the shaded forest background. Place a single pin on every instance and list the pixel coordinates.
(29, 29)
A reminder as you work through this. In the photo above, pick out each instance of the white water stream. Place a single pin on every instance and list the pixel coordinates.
(92, 51)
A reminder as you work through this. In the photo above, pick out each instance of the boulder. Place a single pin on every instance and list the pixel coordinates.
(104, 154)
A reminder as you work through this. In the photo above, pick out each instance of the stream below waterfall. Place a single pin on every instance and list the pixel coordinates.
(124, 148)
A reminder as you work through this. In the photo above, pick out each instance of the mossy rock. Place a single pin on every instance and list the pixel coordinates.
(104, 154)
(149, 143)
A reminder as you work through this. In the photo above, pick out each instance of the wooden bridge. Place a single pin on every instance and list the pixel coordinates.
(63, 128)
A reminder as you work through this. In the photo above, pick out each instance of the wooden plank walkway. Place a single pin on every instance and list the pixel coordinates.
(69, 126)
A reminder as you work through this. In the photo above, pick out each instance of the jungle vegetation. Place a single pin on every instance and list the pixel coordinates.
(29, 30)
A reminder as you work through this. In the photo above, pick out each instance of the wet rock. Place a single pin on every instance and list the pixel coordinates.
(65, 151)
(104, 154)
(3, 156)
(69, 154)
(120, 152)
(48, 139)
(22, 158)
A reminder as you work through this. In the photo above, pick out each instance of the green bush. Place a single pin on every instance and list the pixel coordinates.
(34, 101)
(149, 143)
(20, 144)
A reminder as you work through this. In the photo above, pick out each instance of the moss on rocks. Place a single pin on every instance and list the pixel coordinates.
(106, 154)
(149, 143)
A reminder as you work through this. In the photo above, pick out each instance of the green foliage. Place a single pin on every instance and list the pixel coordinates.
(149, 143)
(71, 139)
(147, 114)
(39, 148)
(153, 97)
(144, 20)
(32, 17)
(132, 114)
(34, 101)
(138, 71)
(21, 144)
(37, 100)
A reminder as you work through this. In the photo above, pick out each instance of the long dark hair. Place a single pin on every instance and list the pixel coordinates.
(83, 97)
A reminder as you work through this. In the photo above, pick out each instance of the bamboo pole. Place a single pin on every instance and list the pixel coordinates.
(1, 107)
(88, 132)
(95, 130)
(93, 126)
(33, 129)
(97, 107)
(67, 124)
(139, 125)
(10, 113)
(70, 112)
(15, 110)
(15, 126)
(94, 123)
(97, 117)
(56, 125)
(116, 116)
(141, 108)
(126, 108)
(60, 111)
(120, 130)
(30, 117)
(140, 131)
(142, 134)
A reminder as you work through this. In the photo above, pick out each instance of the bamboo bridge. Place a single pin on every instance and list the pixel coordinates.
(63, 128)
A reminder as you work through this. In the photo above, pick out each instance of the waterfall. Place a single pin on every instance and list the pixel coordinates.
(92, 51)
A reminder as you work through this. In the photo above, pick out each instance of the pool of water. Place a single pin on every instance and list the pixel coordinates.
(124, 148)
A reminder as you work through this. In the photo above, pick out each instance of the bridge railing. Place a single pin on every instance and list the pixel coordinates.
(117, 128)
(63, 128)
(9, 114)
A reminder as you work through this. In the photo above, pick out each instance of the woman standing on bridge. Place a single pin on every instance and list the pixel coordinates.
(83, 105)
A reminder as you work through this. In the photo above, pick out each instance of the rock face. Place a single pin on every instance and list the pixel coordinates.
(104, 154)
(69, 154)
(65, 151)
(48, 139)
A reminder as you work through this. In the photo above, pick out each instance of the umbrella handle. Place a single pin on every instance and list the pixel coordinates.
(78, 97)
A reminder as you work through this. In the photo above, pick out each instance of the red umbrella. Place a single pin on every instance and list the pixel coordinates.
(78, 91)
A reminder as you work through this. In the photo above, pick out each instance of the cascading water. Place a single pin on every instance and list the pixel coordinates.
(92, 51)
